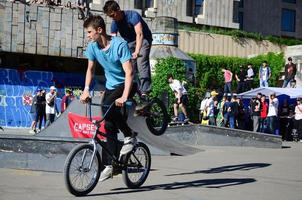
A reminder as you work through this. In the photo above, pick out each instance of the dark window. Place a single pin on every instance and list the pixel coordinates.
(289, 1)
(198, 7)
(241, 3)
(240, 20)
(288, 22)
(139, 4)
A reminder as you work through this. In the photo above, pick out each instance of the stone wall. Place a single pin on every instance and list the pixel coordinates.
(38, 29)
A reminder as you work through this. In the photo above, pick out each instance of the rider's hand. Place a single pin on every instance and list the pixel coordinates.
(85, 96)
(134, 55)
(120, 101)
(178, 101)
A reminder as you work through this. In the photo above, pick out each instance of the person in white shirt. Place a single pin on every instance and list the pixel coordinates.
(50, 108)
(181, 100)
(272, 113)
(249, 77)
(203, 104)
(264, 74)
(298, 118)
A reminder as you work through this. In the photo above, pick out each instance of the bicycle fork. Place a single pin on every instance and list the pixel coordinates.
(93, 154)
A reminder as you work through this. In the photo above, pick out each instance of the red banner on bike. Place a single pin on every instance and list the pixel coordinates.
(82, 127)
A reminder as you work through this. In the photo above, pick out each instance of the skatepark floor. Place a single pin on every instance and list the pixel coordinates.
(218, 173)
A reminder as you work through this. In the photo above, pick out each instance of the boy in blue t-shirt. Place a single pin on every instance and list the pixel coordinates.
(114, 56)
(131, 26)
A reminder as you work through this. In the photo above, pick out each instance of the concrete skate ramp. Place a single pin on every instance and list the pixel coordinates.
(60, 127)
(198, 135)
(162, 145)
(162, 142)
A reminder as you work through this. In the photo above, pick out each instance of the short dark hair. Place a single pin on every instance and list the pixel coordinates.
(95, 21)
(289, 59)
(111, 6)
(265, 62)
(169, 76)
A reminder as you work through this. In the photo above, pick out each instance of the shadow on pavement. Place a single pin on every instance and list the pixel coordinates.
(242, 167)
(206, 183)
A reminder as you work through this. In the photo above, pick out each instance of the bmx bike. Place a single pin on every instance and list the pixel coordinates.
(84, 163)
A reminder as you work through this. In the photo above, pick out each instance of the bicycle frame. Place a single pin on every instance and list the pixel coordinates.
(95, 140)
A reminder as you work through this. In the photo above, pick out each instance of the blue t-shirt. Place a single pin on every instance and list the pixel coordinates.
(126, 26)
(111, 60)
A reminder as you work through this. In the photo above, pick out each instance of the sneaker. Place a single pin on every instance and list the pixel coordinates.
(106, 173)
(301, 141)
(128, 146)
(143, 103)
(174, 119)
(186, 120)
(32, 132)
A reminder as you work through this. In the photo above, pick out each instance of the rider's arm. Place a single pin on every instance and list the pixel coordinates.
(89, 73)
(127, 66)
(88, 79)
(139, 39)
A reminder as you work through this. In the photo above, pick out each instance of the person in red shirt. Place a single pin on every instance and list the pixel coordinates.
(66, 99)
(228, 76)
(263, 114)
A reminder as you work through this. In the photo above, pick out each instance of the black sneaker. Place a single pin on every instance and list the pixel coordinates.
(143, 102)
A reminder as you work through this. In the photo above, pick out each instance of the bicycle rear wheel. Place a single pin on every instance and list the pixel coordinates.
(79, 179)
(157, 120)
(138, 164)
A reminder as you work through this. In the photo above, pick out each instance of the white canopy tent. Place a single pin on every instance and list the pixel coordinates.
(291, 92)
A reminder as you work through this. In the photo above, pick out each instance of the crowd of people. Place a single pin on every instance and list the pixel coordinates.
(262, 114)
(245, 77)
(44, 107)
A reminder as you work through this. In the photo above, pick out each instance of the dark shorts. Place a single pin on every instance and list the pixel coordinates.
(183, 100)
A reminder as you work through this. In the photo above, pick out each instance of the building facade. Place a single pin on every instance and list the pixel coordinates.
(271, 17)
(267, 17)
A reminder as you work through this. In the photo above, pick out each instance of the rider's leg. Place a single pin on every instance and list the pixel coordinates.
(183, 106)
(116, 119)
(144, 69)
(175, 108)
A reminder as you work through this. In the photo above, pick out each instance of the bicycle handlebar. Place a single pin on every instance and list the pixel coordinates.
(102, 105)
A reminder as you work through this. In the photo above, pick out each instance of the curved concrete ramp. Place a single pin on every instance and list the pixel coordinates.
(162, 145)
(162, 142)
(198, 135)
(60, 127)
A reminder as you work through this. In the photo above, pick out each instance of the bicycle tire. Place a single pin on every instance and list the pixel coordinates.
(157, 113)
(72, 156)
(131, 166)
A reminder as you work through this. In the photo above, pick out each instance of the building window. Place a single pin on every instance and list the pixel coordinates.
(288, 22)
(240, 20)
(289, 1)
(145, 4)
(198, 10)
(241, 3)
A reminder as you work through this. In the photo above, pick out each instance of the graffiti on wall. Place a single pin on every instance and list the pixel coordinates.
(17, 88)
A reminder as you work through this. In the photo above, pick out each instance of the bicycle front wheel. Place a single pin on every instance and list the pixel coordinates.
(137, 166)
(80, 179)
(157, 120)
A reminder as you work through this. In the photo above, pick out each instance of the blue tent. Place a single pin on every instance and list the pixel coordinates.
(290, 92)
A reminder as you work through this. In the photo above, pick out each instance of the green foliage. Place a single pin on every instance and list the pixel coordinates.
(210, 76)
(160, 85)
(238, 34)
